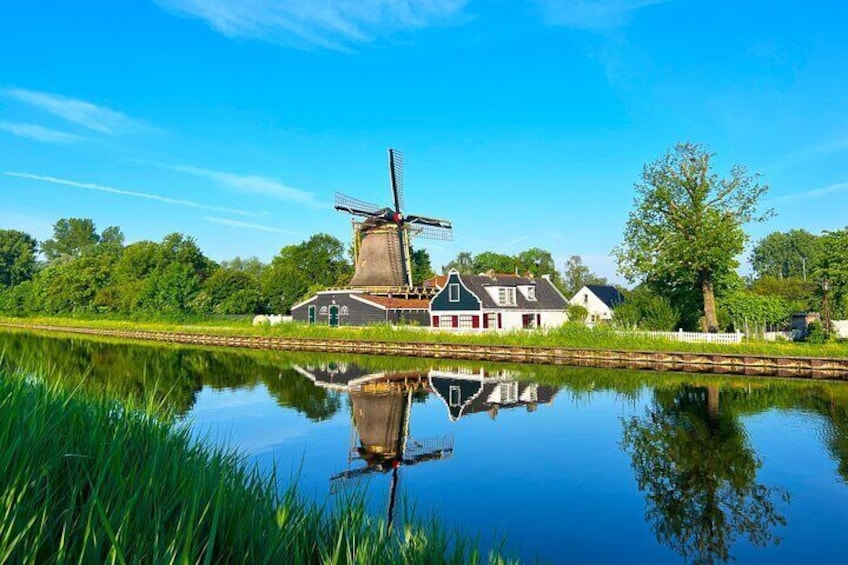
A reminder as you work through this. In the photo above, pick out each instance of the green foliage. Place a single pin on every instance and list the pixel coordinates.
(645, 310)
(799, 295)
(422, 269)
(535, 261)
(577, 275)
(70, 237)
(816, 333)
(792, 254)
(17, 257)
(577, 313)
(463, 264)
(230, 291)
(834, 268)
(319, 262)
(686, 227)
(754, 312)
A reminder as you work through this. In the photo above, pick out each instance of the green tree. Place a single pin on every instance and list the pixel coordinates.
(70, 237)
(834, 268)
(497, 262)
(646, 310)
(422, 269)
(297, 270)
(686, 227)
(800, 295)
(577, 275)
(17, 257)
(538, 262)
(463, 264)
(229, 291)
(792, 254)
(692, 460)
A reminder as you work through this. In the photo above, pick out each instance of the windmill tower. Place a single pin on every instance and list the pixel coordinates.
(381, 235)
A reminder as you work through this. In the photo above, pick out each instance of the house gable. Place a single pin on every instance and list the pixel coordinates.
(455, 296)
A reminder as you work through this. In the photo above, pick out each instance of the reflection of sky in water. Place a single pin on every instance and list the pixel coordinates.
(557, 480)
(554, 481)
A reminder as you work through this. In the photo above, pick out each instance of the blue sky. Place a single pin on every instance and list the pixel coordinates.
(526, 122)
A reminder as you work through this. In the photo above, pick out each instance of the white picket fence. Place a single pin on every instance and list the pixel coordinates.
(690, 337)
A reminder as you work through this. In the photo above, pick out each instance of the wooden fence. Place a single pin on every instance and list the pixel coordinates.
(731, 364)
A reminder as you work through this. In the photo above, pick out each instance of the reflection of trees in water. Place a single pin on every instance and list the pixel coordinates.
(692, 460)
(169, 377)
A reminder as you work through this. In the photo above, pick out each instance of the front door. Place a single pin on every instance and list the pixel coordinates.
(311, 314)
(334, 316)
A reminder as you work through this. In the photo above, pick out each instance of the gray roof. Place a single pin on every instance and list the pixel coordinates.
(547, 296)
(607, 294)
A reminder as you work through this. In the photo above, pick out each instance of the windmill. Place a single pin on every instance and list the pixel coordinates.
(382, 234)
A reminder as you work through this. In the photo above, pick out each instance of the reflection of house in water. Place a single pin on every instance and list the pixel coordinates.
(467, 392)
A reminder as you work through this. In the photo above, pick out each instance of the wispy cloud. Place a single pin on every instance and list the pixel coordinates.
(254, 184)
(131, 193)
(593, 15)
(810, 194)
(516, 241)
(248, 225)
(91, 116)
(333, 24)
(35, 132)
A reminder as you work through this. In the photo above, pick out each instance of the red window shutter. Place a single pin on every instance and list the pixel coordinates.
(435, 321)
(538, 320)
(455, 321)
(475, 322)
(485, 321)
(500, 321)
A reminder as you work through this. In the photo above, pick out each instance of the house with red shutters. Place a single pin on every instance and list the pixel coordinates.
(496, 302)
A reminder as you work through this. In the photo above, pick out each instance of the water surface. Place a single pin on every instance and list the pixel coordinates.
(569, 464)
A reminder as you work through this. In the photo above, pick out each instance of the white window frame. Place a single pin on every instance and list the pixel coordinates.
(465, 322)
(454, 389)
(531, 293)
(509, 392)
(453, 292)
(506, 296)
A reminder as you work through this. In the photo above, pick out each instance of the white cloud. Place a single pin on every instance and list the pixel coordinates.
(810, 194)
(254, 184)
(35, 132)
(592, 15)
(333, 24)
(96, 118)
(131, 193)
(248, 225)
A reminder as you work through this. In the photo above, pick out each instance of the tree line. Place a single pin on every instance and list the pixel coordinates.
(680, 253)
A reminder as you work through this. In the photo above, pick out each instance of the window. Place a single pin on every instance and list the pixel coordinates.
(453, 292)
(491, 320)
(323, 311)
(509, 393)
(455, 396)
(506, 296)
(344, 311)
(531, 293)
(466, 322)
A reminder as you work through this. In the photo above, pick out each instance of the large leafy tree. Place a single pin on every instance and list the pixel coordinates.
(577, 275)
(834, 268)
(686, 226)
(422, 269)
(464, 264)
(17, 257)
(70, 237)
(792, 254)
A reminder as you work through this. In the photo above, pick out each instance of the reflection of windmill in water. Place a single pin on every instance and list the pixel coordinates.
(380, 438)
(381, 239)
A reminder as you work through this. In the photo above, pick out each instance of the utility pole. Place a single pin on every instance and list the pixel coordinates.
(825, 288)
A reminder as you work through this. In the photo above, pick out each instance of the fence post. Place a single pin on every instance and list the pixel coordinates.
(680, 334)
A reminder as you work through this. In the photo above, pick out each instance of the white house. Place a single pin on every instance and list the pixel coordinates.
(497, 302)
(599, 301)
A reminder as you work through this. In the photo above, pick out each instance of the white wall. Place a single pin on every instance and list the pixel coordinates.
(592, 303)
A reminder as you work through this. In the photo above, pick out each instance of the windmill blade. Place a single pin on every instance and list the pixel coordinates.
(355, 206)
(396, 176)
(431, 232)
(425, 221)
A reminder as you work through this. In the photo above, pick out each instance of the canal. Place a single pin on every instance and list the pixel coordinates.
(560, 464)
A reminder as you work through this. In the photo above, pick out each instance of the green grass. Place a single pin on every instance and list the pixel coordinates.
(569, 335)
(86, 479)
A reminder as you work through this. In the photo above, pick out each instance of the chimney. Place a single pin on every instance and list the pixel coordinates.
(547, 277)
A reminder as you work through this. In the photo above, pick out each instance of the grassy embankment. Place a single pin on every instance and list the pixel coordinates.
(86, 479)
(570, 335)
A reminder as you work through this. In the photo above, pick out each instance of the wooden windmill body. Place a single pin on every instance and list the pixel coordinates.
(382, 235)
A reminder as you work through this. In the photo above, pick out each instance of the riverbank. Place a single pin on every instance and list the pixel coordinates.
(565, 346)
(90, 480)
